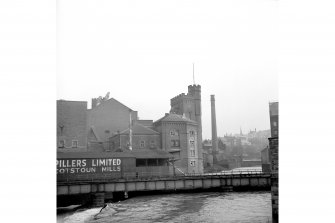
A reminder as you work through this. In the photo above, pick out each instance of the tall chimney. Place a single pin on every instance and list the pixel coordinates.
(214, 133)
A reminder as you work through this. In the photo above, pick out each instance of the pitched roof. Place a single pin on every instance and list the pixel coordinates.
(92, 129)
(138, 129)
(111, 100)
(172, 117)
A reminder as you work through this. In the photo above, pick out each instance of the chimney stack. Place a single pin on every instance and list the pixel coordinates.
(214, 133)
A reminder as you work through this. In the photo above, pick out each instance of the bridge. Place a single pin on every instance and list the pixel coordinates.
(96, 191)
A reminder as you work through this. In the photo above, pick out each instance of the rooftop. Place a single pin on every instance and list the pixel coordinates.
(171, 117)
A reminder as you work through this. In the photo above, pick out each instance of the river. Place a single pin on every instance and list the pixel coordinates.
(186, 208)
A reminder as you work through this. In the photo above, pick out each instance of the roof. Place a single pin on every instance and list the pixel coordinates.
(141, 154)
(172, 117)
(138, 129)
(109, 101)
(62, 100)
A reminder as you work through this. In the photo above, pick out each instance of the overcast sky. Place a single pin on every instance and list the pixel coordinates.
(142, 53)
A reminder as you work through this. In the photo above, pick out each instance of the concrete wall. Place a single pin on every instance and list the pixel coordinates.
(72, 125)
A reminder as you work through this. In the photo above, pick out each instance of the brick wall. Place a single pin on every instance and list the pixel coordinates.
(109, 117)
(136, 142)
(72, 124)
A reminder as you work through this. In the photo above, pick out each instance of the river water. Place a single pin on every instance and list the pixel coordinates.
(186, 208)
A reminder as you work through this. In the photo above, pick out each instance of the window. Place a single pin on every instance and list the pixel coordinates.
(74, 143)
(192, 163)
(175, 143)
(192, 151)
(174, 132)
(152, 144)
(192, 133)
(152, 162)
(140, 162)
(142, 143)
(274, 123)
(61, 129)
(192, 143)
(62, 143)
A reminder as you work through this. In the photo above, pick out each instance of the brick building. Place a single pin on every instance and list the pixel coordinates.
(179, 136)
(142, 138)
(105, 120)
(274, 162)
(189, 105)
(71, 126)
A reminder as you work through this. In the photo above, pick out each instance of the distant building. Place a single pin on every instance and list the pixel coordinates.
(142, 138)
(71, 126)
(180, 138)
(207, 153)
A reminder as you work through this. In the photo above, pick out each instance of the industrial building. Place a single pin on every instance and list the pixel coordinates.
(110, 126)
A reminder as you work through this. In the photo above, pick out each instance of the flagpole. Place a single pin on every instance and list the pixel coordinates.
(193, 75)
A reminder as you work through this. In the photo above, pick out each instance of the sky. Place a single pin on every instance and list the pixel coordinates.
(142, 52)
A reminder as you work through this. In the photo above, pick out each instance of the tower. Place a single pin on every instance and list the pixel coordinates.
(214, 130)
(190, 105)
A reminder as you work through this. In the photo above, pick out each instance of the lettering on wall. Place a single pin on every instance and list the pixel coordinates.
(75, 166)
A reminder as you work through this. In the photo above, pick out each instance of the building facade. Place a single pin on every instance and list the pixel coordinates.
(71, 126)
(142, 138)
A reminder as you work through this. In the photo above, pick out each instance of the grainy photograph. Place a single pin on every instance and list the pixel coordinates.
(167, 111)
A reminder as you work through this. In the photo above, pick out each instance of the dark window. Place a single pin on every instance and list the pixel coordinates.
(140, 162)
(152, 162)
(192, 143)
(142, 144)
(161, 162)
(192, 133)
